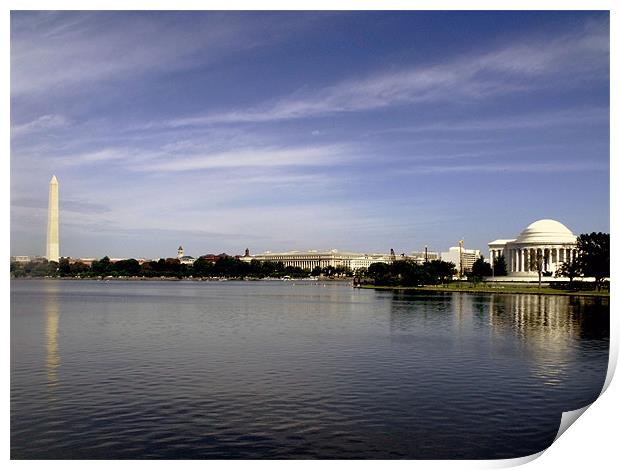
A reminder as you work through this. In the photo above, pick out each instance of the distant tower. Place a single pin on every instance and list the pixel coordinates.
(247, 252)
(180, 252)
(52, 252)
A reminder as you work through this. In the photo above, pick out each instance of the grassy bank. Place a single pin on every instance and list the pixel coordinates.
(494, 289)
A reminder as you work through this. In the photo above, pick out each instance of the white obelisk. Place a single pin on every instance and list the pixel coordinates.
(53, 246)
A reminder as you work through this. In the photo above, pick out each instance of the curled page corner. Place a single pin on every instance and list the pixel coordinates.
(517, 461)
(611, 365)
(568, 418)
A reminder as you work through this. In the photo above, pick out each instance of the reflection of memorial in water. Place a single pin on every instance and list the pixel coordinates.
(52, 316)
(548, 327)
(547, 333)
(543, 321)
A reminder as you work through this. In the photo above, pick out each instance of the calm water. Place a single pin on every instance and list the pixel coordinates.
(294, 370)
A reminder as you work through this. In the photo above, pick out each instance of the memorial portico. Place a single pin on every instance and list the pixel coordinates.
(548, 240)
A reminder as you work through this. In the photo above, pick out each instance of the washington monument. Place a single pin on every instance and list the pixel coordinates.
(52, 252)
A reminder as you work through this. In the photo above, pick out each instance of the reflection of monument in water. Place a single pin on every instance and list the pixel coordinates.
(546, 318)
(548, 333)
(547, 326)
(52, 316)
(52, 252)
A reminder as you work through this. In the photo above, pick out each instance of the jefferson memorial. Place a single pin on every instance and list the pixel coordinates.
(548, 237)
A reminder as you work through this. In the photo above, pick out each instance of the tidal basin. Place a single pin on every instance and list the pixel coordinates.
(157, 369)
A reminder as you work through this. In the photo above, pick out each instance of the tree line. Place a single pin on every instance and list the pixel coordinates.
(225, 266)
(407, 273)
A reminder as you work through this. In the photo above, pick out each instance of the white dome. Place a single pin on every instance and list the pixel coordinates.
(546, 231)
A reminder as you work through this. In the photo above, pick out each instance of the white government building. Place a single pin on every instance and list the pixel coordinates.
(548, 237)
(313, 258)
(351, 260)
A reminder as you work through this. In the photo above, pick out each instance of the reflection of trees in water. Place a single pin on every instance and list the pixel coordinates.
(52, 316)
(409, 309)
(480, 304)
(593, 316)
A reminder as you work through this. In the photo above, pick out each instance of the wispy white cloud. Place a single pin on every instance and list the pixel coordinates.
(70, 51)
(247, 158)
(540, 120)
(510, 167)
(209, 152)
(578, 56)
(62, 51)
(42, 123)
(99, 156)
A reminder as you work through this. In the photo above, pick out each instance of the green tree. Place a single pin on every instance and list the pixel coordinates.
(570, 269)
(594, 256)
(202, 268)
(439, 272)
(148, 269)
(481, 268)
(17, 270)
(499, 266)
(361, 272)
(101, 267)
(537, 263)
(377, 269)
(52, 268)
(380, 274)
(271, 269)
(229, 266)
(329, 270)
(64, 267)
(126, 267)
(174, 268)
(342, 271)
(256, 269)
(41, 268)
(78, 268)
(34, 268)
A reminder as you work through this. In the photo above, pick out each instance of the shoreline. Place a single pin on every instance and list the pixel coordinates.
(500, 289)
(491, 290)
(169, 278)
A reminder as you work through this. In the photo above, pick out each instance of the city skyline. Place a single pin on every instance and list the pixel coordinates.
(294, 131)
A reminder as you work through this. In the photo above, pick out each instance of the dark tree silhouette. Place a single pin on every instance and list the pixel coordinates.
(439, 272)
(594, 256)
(481, 268)
(499, 266)
(570, 269)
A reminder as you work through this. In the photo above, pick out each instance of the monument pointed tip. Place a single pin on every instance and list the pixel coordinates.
(54, 179)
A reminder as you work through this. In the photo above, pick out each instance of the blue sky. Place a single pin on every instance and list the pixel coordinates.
(358, 131)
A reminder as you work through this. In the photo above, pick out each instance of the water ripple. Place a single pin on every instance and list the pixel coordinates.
(270, 370)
